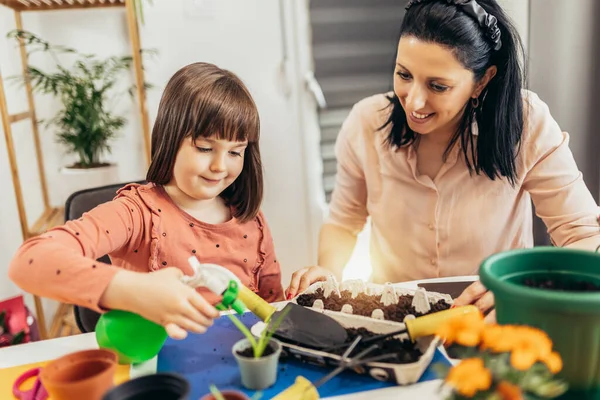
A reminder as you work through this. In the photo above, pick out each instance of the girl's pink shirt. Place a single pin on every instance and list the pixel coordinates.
(142, 230)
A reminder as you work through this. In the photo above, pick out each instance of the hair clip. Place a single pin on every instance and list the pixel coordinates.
(486, 21)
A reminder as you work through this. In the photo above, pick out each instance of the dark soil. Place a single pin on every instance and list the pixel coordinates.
(404, 350)
(364, 304)
(574, 286)
(249, 353)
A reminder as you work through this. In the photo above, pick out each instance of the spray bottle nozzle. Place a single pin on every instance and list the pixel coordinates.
(230, 298)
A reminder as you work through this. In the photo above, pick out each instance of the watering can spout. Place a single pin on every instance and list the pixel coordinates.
(220, 280)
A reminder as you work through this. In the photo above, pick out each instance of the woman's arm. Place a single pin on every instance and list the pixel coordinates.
(556, 185)
(336, 245)
(347, 209)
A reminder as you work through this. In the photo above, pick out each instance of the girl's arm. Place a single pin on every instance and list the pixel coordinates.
(61, 263)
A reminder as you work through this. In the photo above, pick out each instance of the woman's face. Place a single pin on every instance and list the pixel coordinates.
(432, 86)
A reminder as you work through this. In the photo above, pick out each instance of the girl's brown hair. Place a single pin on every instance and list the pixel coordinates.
(203, 100)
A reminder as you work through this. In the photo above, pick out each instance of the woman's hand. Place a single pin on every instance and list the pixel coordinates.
(478, 295)
(305, 277)
(161, 297)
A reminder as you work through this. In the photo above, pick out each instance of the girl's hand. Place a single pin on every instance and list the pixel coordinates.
(161, 297)
(305, 277)
(482, 298)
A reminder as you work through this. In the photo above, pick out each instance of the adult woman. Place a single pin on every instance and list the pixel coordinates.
(446, 165)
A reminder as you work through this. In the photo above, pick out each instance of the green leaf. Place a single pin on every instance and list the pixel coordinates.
(84, 124)
(3, 321)
(18, 338)
(215, 392)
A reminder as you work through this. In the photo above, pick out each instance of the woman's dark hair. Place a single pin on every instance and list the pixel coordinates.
(203, 100)
(499, 115)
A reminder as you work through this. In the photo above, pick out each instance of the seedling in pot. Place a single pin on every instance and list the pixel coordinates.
(229, 395)
(259, 345)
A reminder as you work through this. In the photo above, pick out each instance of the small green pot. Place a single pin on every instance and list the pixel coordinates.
(571, 319)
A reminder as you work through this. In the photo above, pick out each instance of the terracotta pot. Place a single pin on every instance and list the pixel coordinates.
(85, 374)
(228, 395)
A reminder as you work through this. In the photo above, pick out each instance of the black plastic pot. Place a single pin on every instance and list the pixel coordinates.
(162, 386)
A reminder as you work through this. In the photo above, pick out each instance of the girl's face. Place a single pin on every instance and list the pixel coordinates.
(207, 166)
(433, 86)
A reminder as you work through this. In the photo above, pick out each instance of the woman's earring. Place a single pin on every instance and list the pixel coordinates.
(475, 102)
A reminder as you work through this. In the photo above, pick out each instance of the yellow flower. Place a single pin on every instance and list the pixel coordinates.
(505, 338)
(469, 376)
(467, 338)
(509, 391)
(522, 359)
(463, 329)
(554, 362)
(498, 338)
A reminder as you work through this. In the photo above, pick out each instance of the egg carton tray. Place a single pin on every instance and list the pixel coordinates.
(389, 294)
(401, 374)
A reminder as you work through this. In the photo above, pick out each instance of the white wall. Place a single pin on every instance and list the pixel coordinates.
(564, 62)
(241, 35)
(518, 10)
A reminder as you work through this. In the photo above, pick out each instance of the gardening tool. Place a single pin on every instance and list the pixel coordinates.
(299, 325)
(37, 392)
(420, 326)
(303, 389)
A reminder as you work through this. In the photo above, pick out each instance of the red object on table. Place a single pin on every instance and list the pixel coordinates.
(38, 392)
(17, 318)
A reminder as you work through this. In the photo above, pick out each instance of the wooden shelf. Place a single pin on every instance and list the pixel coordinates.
(46, 5)
(49, 219)
(53, 216)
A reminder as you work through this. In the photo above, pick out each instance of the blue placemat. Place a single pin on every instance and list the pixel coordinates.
(205, 359)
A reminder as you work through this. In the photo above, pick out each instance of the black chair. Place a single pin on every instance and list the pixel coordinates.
(77, 204)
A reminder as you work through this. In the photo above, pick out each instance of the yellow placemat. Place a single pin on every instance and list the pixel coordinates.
(8, 376)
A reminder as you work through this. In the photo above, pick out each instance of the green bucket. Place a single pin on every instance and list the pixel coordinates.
(571, 319)
(132, 337)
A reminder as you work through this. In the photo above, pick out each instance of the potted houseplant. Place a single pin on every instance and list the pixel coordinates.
(258, 358)
(84, 124)
(556, 290)
(216, 394)
(138, 5)
(498, 362)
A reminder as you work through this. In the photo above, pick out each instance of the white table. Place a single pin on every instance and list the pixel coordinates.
(54, 348)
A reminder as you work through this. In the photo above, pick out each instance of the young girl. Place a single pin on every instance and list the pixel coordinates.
(203, 198)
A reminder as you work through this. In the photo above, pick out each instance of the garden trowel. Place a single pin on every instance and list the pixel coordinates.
(295, 324)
